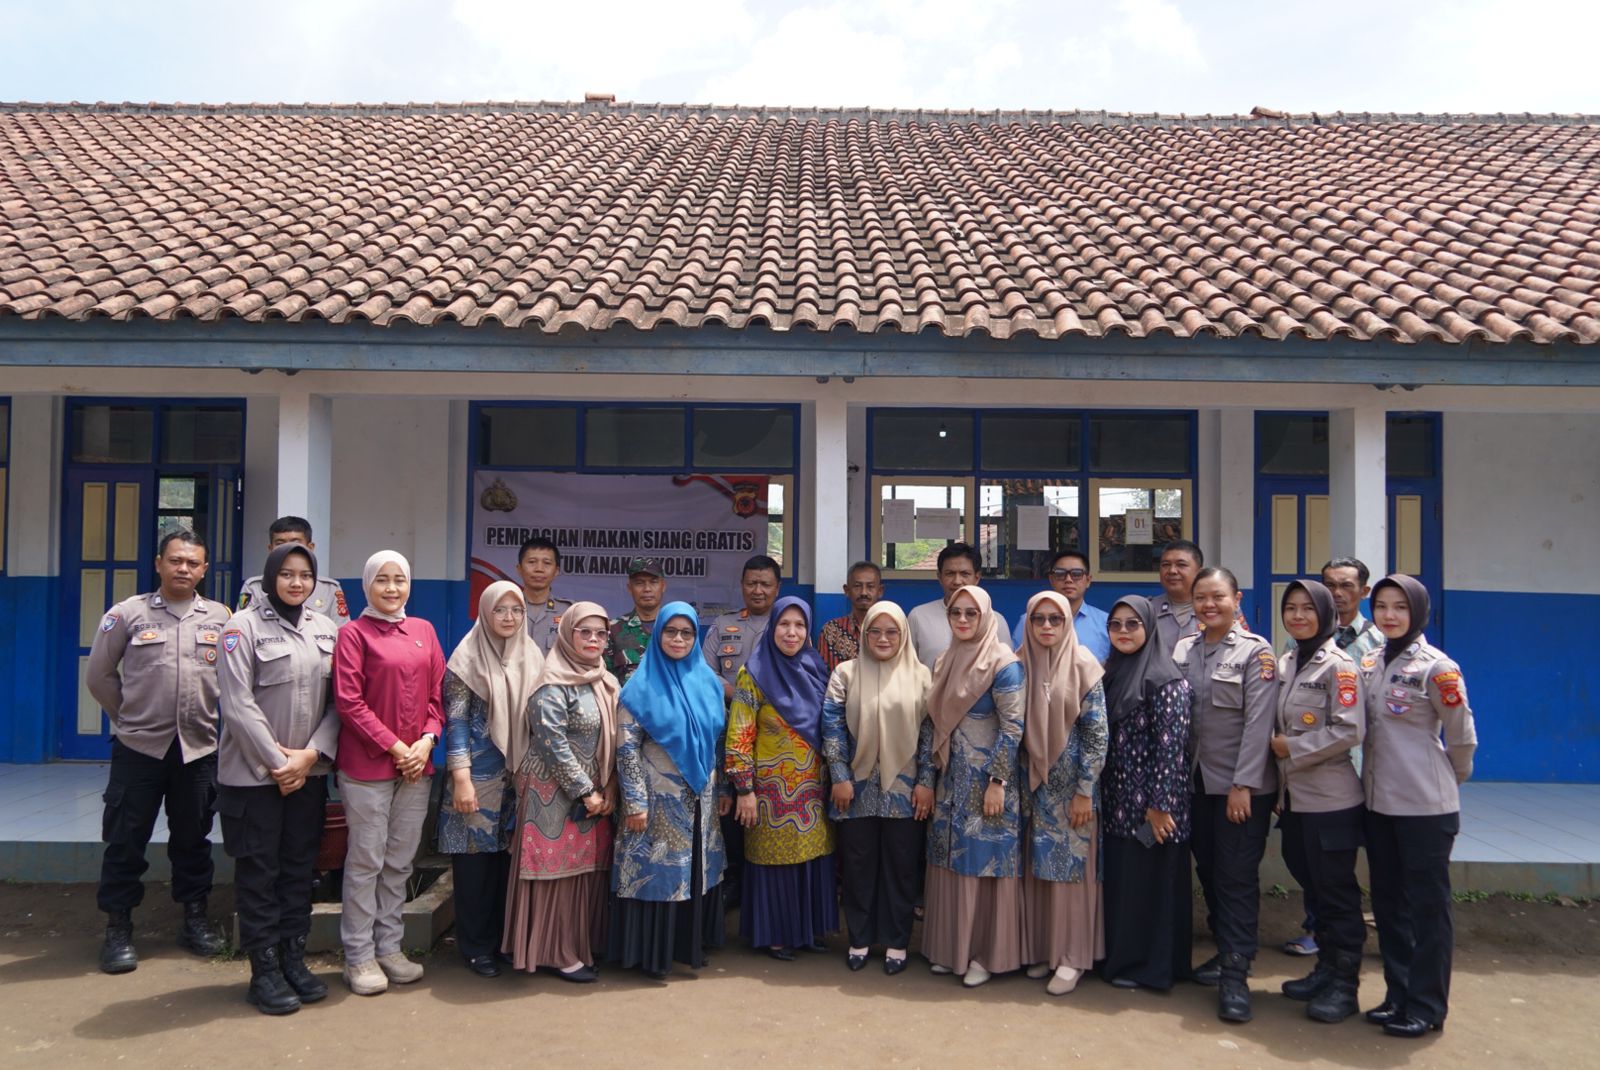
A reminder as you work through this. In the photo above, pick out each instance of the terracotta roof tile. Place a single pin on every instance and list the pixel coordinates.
(594, 216)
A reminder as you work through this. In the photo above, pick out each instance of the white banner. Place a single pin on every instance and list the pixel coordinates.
(700, 529)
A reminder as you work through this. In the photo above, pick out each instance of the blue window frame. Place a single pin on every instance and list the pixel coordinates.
(975, 462)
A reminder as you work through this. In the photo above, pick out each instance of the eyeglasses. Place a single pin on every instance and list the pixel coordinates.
(1073, 574)
(964, 614)
(1053, 620)
(883, 633)
(589, 633)
(507, 612)
(1131, 625)
(677, 633)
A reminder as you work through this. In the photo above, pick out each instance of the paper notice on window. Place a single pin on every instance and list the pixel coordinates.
(899, 520)
(938, 523)
(1033, 527)
(1140, 529)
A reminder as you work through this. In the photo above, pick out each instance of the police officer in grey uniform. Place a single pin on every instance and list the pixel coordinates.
(538, 565)
(153, 669)
(1180, 563)
(1415, 696)
(732, 638)
(279, 732)
(1321, 719)
(1234, 676)
(327, 599)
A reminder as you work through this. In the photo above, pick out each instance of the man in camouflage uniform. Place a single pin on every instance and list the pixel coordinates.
(630, 633)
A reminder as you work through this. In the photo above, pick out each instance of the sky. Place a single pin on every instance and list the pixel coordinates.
(1190, 56)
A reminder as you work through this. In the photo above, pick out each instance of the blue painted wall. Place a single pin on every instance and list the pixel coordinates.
(29, 615)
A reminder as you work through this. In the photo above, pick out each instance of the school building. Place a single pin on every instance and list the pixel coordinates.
(1287, 337)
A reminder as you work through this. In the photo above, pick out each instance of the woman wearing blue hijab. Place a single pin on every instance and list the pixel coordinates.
(774, 761)
(667, 870)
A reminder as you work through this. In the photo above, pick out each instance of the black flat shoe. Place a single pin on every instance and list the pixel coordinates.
(782, 954)
(483, 966)
(894, 966)
(1124, 982)
(583, 975)
(1411, 1028)
(656, 975)
(1383, 1013)
(856, 962)
(816, 947)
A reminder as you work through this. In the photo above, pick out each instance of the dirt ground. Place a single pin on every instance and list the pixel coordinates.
(1525, 996)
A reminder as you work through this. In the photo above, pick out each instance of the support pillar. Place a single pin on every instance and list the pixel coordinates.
(828, 495)
(305, 464)
(1358, 500)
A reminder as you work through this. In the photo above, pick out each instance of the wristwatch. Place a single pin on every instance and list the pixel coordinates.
(996, 780)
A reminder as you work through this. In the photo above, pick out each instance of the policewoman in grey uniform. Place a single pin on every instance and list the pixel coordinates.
(278, 737)
(153, 669)
(1321, 719)
(1415, 697)
(1234, 676)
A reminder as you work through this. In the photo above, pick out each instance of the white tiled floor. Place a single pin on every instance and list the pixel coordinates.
(1500, 822)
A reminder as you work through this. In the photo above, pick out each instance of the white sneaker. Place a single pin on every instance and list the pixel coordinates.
(399, 969)
(1037, 971)
(365, 978)
(976, 975)
(1065, 980)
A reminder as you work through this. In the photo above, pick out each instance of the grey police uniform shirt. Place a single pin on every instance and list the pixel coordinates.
(544, 621)
(155, 674)
(1235, 710)
(731, 641)
(930, 631)
(1169, 629)
(1406, 769)
(326, 598)
(1322, 714)
(276, 687)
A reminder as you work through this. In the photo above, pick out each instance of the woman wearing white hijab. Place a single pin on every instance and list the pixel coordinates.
(387, 670)
(878, 742)
(487, 684)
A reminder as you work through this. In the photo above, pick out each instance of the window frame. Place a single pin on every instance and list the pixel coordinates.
(969, 516)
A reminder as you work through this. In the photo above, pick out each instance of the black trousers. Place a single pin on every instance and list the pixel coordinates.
(879, 859)
(1409, 860)
(1294, 857)
(273, 841)
(480, 894)
(1326, 845)
(1227, 859)
(135, 792)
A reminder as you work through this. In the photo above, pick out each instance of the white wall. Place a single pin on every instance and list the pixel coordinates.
(1522, 502)
(33, 487)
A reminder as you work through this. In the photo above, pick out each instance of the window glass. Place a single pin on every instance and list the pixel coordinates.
(775, 524)
(913, 531)
(202, 436)
(932, 441)
(112, 434)
(1016, 515)
(743, 438)
(1293, 444)
(1410, 447)
(1032, 443)
(633, 438)
(528, 437)
(1139, 442)
(1116, 552)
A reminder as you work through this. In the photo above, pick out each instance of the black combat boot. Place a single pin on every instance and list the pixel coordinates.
(292, 956)
(1304, 988)
(269, 992)
(197, 934)
(1208, 971)
(1337, 1000)
(1233, 989)
(117, 954)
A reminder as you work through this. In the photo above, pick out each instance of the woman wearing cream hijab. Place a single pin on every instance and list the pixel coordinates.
(878, 743)
(487, 684)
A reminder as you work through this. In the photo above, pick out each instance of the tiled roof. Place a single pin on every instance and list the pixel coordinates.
(590, 216)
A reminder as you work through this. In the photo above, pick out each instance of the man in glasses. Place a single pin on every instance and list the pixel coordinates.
(630, 634)
(958, 566)
(1070, 577)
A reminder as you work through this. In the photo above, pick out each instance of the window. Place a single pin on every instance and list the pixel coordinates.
(743, 438)
(202, 436)
(633, 438)
(526, 437)
(1024, 486)
(1412, 446)
(113, 434)
(1292, 443)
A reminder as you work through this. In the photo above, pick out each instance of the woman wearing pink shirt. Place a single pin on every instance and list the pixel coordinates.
(387, 670)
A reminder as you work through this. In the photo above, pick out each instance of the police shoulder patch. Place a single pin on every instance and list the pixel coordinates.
(1449, 685)
(1269, 665)
(339, 605)
(109, 621)
(230, 641)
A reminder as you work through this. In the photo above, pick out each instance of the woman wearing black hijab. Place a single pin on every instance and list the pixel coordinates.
(278, 735)
(1145, 806)
(1320, 721)
(1414, 694)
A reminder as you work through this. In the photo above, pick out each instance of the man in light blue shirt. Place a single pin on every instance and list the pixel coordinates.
(1070, 577)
